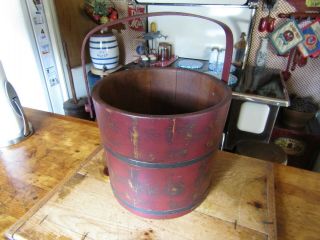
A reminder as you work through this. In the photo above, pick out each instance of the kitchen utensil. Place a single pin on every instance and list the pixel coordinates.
(164, 51)
(286, 74)
(270, 24)
(295, 59)
(73, 107)
(302, 61)
(213, 59)
(298, 59)
(14, 126)
(267, 23)
(220, 61)
(214, 55)
(270, 20)
(262, 24)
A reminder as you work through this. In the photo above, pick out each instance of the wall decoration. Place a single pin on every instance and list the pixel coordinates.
(286, 37)
(311, 44)
(137, 24)
(100, 11)
(303, 82)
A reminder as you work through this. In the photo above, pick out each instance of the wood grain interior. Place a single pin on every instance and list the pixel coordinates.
(161, 91)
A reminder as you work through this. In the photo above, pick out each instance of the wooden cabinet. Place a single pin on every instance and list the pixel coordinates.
(74, 24)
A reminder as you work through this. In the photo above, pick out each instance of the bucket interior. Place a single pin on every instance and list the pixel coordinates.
(161, 91)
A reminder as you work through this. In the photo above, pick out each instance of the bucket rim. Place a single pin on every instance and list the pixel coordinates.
(226, 98)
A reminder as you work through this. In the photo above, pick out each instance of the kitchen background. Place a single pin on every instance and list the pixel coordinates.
(66, 22)
(36, 35)
(304, 80)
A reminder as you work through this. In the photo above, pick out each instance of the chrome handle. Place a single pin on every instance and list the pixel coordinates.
(26, 128)
(222, 141)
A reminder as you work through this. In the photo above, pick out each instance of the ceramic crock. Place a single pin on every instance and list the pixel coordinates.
(104, 51)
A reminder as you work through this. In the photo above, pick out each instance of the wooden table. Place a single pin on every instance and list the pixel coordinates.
(30, 169)
(33, 167)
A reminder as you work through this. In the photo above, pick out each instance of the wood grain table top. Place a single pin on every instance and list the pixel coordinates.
(240, 205)
(32, 168)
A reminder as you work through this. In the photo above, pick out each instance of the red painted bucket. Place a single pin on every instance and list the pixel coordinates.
(160, 128)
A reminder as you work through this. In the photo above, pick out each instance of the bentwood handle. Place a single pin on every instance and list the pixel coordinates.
(227, 31)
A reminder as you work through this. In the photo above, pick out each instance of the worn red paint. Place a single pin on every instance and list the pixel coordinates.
(160, 166)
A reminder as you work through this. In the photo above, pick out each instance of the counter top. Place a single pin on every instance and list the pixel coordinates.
(30, 169)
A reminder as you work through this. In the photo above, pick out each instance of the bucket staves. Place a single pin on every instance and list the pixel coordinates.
(160, 128)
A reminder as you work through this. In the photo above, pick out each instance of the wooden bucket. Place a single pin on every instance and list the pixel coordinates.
(160, 129)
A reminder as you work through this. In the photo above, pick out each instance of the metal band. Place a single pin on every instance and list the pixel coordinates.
(164, 212)
(140, 163)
